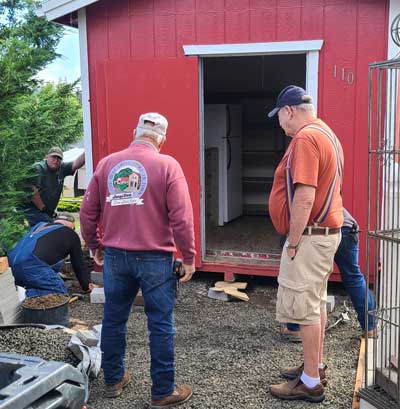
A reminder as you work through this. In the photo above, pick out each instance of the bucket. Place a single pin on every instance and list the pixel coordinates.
(54, 315)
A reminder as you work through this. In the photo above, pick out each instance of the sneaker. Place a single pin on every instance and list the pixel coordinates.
(289, 335)
(296, 390)
(296, 371)
(115, 389)
(181, 394)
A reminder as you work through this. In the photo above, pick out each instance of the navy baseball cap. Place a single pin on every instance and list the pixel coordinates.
(291, 95)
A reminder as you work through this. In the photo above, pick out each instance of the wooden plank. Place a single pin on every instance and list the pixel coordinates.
(360, 375)
(3, 264)
(225, 284)
(237, 294)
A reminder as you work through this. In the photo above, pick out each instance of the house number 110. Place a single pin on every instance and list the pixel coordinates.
(343, 75)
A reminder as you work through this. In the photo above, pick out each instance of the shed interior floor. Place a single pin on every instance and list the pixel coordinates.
(247, 233)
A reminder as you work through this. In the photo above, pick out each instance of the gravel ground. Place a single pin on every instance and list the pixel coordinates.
(229, 352)
(49, 345)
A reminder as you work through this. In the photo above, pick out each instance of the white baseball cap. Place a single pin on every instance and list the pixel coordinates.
(159, 123)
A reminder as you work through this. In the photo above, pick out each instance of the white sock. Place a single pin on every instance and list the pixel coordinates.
(321, 365)
(309, 381)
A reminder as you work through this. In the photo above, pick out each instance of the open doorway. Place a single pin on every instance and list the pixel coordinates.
(242, 148)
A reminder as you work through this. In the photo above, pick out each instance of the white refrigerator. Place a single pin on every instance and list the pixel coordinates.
(223, 130)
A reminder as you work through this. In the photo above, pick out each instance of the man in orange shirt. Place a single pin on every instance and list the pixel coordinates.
(306, 206)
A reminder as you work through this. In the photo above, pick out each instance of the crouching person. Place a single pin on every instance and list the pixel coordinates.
(142, 200)
(38, 257)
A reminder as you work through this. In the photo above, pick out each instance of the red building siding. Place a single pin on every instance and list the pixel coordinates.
(136, 64)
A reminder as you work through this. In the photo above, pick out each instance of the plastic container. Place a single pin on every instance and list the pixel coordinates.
(58, 315)
(31, 382)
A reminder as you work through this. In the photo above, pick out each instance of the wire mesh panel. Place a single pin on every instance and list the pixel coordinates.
(383, 236)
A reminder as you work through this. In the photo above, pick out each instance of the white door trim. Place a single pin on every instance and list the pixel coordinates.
(283, 47)
(87, 124)
(310, 48)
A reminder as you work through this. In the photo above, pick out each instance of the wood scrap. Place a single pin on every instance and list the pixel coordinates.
(359, 375)
(3, 264)
(236, 293)
(227, 284)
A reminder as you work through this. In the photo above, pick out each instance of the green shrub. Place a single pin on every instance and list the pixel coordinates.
(70, 205)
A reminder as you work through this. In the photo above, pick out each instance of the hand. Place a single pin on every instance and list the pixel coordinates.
(187, 271)
(99, 256)
(91, 286)
(291, 253)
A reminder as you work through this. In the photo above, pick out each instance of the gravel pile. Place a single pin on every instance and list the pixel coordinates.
(229, 352)
(48, 345)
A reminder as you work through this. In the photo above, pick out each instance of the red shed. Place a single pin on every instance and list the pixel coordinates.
(214, 68)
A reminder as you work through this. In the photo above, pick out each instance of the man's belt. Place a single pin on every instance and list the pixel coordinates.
(320, 231)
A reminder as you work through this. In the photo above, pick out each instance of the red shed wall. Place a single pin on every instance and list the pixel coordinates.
(136, 64)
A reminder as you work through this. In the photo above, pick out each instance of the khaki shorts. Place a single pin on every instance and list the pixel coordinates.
(302, 291)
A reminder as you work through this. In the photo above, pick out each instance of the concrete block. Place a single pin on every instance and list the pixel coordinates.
(330, 303)
(97, 277)
(97, 296)
(217, 294)
(89, 338)
(366, 405)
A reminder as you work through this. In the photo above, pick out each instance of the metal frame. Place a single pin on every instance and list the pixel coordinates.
(382, 367)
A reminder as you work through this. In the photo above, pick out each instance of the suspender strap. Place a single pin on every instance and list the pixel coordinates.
(41, 228)
(289, 187)
(323, 212)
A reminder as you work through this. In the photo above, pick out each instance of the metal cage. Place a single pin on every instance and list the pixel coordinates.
(382, 366)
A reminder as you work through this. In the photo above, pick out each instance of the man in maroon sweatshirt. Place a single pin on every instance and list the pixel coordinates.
(141, 199)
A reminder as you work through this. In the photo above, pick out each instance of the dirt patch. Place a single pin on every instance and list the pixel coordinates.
(45, 301)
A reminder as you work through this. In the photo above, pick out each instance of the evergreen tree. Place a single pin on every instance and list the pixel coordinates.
(33, 116)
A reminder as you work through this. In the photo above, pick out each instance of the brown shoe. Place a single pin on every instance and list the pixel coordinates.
(296, 390)
(296, 371)
(181, 394)
(289, 335)
(115, 389)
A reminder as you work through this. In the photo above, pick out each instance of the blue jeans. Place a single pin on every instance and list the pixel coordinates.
(346, 258)
(124, 273)
(38, 277)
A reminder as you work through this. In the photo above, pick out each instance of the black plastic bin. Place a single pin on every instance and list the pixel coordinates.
(58, 315)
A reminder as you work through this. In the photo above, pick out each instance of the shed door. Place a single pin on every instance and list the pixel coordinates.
(125, 89)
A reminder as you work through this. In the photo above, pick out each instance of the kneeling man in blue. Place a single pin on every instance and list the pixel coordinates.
(38, 257)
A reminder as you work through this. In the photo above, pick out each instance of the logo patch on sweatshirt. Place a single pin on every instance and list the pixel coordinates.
(126, 183)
